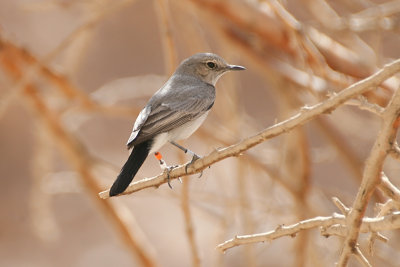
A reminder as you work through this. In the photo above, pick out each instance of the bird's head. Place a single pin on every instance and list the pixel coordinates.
(206, 66)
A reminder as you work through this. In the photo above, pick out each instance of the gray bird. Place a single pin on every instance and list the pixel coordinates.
(174, 112)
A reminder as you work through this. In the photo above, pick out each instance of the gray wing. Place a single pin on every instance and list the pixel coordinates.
(163, 117)
(141, 119)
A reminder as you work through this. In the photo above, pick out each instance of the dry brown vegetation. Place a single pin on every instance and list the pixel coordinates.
(301, 147)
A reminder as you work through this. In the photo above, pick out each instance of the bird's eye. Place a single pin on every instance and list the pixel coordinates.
(211, 65)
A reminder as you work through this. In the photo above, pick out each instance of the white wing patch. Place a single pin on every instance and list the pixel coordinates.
(141, 119)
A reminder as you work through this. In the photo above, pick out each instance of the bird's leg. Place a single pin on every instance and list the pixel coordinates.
(186, 150)
(194, 155)
(165, 167)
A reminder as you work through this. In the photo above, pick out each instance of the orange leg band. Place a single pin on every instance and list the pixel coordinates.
(158, 155)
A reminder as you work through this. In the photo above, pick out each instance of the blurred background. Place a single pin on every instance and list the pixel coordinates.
(75, 74)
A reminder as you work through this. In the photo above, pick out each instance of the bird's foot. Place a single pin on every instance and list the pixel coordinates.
(194, 158)
(166, 168)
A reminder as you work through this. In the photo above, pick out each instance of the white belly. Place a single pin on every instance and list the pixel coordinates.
(187, 129)
(179, 133)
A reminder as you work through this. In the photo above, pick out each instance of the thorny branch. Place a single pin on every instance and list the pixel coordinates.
(372, 174)
(305, 115)
(388, 222)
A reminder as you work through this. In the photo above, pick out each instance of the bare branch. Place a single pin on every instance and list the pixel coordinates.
(185, 204)
(363, 103)
(339, 204)
(281, 231)
(306, 114)
(336, 222)
(361, 258)
(371, 240)
(384, 210)
(395, 151)
(372, 175)
(389, 189)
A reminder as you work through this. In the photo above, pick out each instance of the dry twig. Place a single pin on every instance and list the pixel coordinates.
(336, 221)
(371, 176)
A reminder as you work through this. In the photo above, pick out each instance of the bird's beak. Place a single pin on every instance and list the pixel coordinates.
(235, 67)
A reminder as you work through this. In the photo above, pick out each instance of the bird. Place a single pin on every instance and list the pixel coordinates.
(173, 113)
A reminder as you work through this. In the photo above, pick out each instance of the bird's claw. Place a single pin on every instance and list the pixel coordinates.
(168, 169)
(194, 158)
(201, 173)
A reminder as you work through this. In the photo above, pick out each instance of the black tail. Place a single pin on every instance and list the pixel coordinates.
(136, 158)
